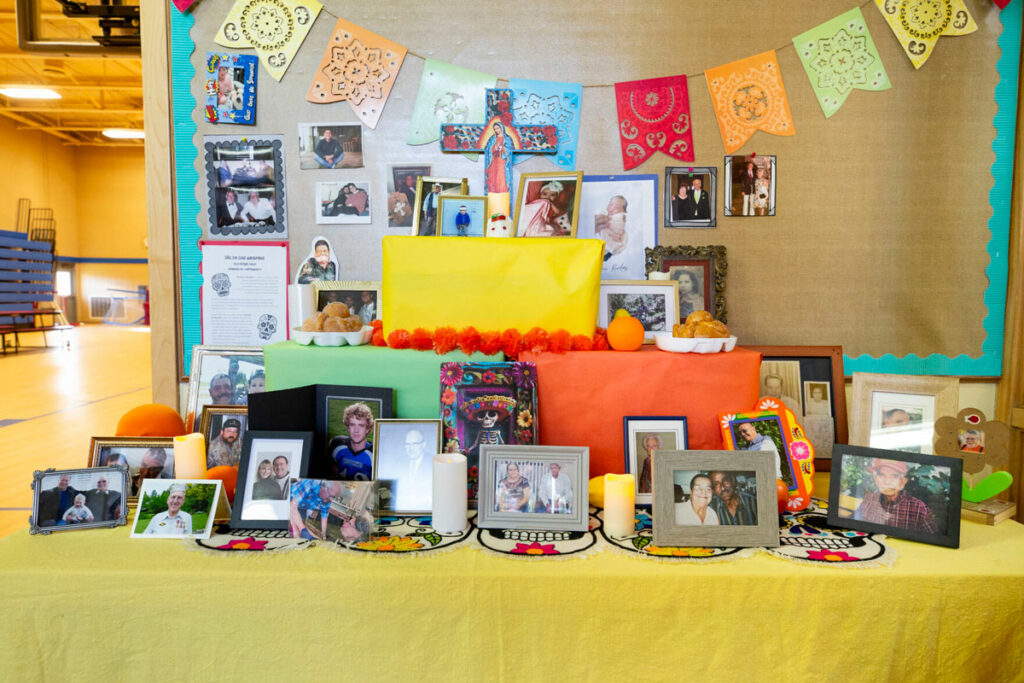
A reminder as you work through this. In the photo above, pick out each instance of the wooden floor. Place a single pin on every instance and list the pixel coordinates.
(53, 400)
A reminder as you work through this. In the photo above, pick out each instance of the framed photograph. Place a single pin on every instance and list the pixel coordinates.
(270, 460)
(691, 196)
(548, 204)
(751, 185)
(330, 145)
(361, 296)
(711, 498)
(346, 417)
(341, 202)
(487, 403)
(622, 210)
(401, 184)
(245, 186)
(764, 431)
(429, 191)
(222, 376)
(898, 412)
(223, 428)
(899, 494)
(176, 508)
(147, 457)
(534, 487)
(231, 89)
(699, 274)
(816, 372)
(462, 216)
(652, 303)
(341, 512)
(403, 466)
(63, 500)
(642, 435)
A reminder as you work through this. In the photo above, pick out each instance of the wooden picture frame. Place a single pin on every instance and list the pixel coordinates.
(208, 420)
(710, 261)
(477, 207)
(256, 505)
(560, 227)
(817, 364)
(927, 490)
(898, 412)
(449, 186)
(687, 465)
(614, 294)
(351, 292)
(667, 432)
(133, 451)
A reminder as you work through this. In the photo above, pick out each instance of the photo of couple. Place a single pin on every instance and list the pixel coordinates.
(715, 497)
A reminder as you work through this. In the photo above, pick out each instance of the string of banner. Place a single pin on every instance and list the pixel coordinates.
(361, 67)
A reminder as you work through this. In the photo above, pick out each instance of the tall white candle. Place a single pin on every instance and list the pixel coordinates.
(450, 502)
(301, 305)
(619, 504)
(190, 456)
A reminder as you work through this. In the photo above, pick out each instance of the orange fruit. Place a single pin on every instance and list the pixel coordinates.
(625, 333)
(228, 476)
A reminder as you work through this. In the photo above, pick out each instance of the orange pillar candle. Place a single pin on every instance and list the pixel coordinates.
(190, 456)
(619, 504)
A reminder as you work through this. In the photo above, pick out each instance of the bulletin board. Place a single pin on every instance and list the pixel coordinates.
(891, 226)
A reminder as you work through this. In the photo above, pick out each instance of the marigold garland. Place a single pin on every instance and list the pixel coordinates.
(421, 340)
(469, 340)
(445, 339)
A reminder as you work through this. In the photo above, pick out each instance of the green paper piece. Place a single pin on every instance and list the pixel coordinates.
(990, 486)
(448, 94)
(839, 56)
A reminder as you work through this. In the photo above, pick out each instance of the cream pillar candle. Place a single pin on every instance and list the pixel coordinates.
(301, 305)
(450, 503)
(619, 504)
(190, 456)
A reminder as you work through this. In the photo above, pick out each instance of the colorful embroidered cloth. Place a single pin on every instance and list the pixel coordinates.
(748, 95)
(654, 116)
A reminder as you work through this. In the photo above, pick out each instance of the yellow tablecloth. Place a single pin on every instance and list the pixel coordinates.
(97, 606)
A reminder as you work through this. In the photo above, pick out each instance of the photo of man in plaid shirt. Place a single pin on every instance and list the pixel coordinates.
(892, 506)
(311, 497)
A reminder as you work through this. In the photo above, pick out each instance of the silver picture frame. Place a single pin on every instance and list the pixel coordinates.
(40, 521)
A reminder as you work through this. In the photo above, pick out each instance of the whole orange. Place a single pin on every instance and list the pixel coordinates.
(625, 333)
(228, 476)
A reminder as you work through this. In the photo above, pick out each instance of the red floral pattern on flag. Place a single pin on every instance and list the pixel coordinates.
(654, 116)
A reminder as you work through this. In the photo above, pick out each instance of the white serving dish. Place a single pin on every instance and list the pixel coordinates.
(357, 338)
(666, 342)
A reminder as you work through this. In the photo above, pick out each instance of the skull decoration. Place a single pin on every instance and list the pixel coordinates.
(266, 326)
(221, 284)
(522, 543)
(420, 535)
(807, 536)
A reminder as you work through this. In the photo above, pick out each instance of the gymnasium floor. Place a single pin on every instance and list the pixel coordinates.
(53, 400)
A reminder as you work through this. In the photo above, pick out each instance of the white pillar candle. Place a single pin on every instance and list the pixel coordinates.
(301, 305)
(190, 456)
(619, 504)
(450, 495)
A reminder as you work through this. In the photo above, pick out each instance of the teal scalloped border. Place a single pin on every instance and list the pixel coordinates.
(989, 364)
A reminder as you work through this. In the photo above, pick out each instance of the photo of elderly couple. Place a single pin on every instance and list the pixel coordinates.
(533, 486)
(715, 497)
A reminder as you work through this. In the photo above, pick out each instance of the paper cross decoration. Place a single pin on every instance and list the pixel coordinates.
(500, 138)
(275, 28)
(546, 103)
(447, 94)
(839, 56)
(654, 116)
(918, 24)
(358, 66)
(748, 95)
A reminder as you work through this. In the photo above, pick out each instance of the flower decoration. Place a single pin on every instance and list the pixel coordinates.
(488, 377)
(581, 342)
(445, 339)
(474, 471)
(451, 373)
(768, 404)
(249, 543)
(452, 444)
(800, 450)
(535, 340)
(525, 374)
(559, 341)
(390, 544)
(643, 521)
(668, 551)
(826, 555)
(421, 340)
(490, 342)
(448, 397)
(525, 419)
(511, 342)
(726, 419)
(535, 548)
(469, 340)
(399, 339)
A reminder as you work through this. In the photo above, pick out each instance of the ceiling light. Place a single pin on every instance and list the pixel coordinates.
(29, 93)
(125, 133)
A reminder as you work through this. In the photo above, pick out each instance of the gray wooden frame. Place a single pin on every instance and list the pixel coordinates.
(668, 533)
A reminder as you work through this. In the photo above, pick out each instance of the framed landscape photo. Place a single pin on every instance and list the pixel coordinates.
(270, 460)
(147, 457)
(900, 494)
(898, 412)
(699, 274)
(403, 462)
(363, 297)
(642, 435)
(65, 500)
(652, 303)
(534, 487)
(810, 377)
(223, 428)
(713, 498)
(462, 216)
(176, 508)
(429, 190)
(691, 196)
(222, 376)
(548, 204)
(622, 210)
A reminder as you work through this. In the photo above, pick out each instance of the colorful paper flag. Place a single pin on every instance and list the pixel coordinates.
(546, 103)
(448, 94)
(917, 24)
(654, 116)
(183, 5)
(748, 95)
(275, 28)
(358, 66)
(839, 56)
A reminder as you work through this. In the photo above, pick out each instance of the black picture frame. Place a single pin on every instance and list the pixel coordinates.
(947, 517)
(684, 175)
(304, 440)
(233, 150)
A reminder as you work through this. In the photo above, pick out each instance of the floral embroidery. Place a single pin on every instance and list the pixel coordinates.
(525, 419)
(830, 556)
(249, 543)
(390, 544)
(668, 551)
(535, 548)
(451, 373)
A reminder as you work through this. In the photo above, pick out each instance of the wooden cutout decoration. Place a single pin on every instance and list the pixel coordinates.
(748, 96)
(918, 24)
(275, 28)
(358, 66)
(500, 139)
(654, 116)
(993, 440)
